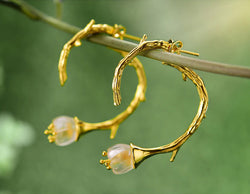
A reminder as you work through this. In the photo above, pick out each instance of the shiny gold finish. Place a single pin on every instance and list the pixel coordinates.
(91, 28)
(170, 46)
(47, 132)
(113, 124)
(51, 138)
(117, 31)
(131, 37)
(104, 153)
(106, 163)
(51, 133)
(139, 153)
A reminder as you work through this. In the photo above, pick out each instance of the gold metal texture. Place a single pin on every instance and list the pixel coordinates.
(113, 124)
(139, 153)
(91, 28)
(169, 46)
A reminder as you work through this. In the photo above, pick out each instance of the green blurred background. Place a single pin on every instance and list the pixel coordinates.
(216, 159)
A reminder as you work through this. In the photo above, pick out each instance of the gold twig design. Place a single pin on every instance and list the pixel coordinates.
(141, 153)
(91, 28)
(170, 46)
(123, 158)
(114, 123)
(65, 130)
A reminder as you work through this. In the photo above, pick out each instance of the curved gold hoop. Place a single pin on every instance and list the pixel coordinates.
(91, 28)
(64, 130)
(170, 46)
(121, 157)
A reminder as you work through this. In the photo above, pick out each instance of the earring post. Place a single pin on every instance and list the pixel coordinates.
(132, 37)
(189, 52)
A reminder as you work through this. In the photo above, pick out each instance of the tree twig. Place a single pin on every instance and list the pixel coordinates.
(203, 65)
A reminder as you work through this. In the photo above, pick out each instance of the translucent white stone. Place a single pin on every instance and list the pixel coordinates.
(65, 128)
(121, 159)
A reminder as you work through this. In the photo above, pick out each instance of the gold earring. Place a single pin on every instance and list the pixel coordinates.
(65, 130)
(123, 158)
(170, 46)
(91, 28)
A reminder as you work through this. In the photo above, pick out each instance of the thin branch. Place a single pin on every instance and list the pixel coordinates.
(35, 14)
(170, 58)
(123, 45)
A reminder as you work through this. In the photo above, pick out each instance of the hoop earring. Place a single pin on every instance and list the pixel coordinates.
(117, 31)
(170, 46)
(65, 130)
(122, 157)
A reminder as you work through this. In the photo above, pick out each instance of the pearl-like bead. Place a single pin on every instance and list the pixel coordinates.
(121, 159)
(65, 129)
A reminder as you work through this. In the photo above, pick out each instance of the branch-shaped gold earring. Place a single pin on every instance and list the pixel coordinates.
(65, 130)
(123, 158)
(91, 28)
(170, 46)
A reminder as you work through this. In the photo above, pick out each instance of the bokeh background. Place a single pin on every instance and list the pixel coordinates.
(216, 159)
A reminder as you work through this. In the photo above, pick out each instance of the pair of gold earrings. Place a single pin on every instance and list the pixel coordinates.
(122, 157)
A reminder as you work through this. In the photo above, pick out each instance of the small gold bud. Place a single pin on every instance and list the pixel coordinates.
(104, 153)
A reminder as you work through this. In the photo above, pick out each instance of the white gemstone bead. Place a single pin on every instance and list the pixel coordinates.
(65, 128)
(121, 159)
